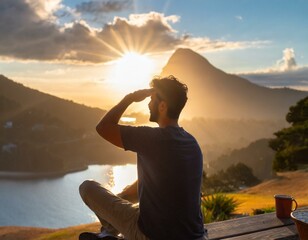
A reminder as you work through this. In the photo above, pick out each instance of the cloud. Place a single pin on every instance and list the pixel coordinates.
(142, 33)
(288, 62)
(296, 79)
(25, 31)
(45, 9)
(286, 73)
(30, 30)
(96, 7)
(204, 44)
(27, 35)
(240, 18)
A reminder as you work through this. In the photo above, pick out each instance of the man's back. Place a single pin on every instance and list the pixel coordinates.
(169, 165)
(169, 178)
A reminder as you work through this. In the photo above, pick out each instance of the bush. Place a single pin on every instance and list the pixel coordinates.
(217, 207)
(263, 210)
(230, 180)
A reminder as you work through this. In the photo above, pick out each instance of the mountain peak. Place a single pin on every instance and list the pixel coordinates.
(184, 52)
(225, 95)
(184, 55)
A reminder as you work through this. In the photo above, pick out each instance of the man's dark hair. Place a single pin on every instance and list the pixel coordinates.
(173, 92)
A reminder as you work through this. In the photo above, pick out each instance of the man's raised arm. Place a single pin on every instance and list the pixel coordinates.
(109, 127)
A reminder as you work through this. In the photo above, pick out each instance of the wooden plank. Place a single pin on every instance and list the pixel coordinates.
(245, 225)
(281, 233)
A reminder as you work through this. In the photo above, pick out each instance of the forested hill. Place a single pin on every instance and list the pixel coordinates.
(43, 133)
(16, 98)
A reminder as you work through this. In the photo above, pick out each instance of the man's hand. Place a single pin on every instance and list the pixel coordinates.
(108, 127)
(140, 95)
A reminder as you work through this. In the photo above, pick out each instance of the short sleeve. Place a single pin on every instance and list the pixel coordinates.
(138, 139)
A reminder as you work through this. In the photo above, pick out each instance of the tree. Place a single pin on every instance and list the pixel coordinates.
(291, 144)
(241, 175)
(230, 180)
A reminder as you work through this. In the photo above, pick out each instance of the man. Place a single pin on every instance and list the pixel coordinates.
(169, 162)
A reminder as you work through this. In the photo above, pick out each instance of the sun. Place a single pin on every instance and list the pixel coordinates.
(131, 72)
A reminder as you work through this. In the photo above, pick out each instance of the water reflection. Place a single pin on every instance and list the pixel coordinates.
(55, 202)
(121, 176)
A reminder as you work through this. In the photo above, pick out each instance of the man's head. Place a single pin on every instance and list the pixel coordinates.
(171, 92)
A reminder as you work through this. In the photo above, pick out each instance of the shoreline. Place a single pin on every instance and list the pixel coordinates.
(18, 175)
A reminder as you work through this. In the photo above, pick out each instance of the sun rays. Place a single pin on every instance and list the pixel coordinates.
(130, 69)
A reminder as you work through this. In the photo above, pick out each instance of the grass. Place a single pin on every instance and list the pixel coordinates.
(70, 233)
(60, 235)
(262, 196)
(249, 202)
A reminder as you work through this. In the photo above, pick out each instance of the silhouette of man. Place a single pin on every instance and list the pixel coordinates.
(169, 162)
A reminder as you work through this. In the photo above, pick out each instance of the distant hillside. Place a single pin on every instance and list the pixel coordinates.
(43, 133)
(216, 94)
(219, 137)
(15, 98)
(257, 155)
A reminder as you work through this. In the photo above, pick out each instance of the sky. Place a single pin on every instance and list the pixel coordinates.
(94, 52)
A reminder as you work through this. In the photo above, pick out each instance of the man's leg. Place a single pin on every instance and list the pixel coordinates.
(112, 211)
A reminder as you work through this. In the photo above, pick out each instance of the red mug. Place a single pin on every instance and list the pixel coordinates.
(284, 205)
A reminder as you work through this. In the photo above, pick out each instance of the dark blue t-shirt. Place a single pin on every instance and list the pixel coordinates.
(169, 162)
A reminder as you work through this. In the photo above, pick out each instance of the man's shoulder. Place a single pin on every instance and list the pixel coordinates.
(139, 138)
(147, 130)
(139, 128)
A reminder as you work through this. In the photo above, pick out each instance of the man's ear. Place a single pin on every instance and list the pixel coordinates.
(162, 107)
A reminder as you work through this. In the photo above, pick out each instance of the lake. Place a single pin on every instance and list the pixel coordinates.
(55, 202)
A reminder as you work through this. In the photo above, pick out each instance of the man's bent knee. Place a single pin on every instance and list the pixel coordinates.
(86, 187)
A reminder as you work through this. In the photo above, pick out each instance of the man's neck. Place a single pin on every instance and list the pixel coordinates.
(166, 122)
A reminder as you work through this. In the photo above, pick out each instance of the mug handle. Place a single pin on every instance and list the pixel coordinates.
(295, 204)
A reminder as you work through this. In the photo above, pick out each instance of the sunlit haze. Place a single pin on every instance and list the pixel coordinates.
(132, 71)
(95, 52)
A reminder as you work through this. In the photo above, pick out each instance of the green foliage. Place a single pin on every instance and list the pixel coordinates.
(217, 207)
(230, 180)
(298, 113)
(263, 210)
(291, 144)
(240, 174)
